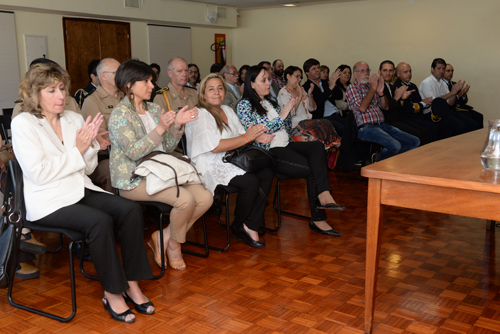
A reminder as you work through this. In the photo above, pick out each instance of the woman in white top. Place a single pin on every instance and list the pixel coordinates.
(57, 150)
(216, 131)
(304, 128)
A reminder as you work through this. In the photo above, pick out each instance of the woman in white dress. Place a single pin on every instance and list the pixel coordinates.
(304, 127)
(216, 131)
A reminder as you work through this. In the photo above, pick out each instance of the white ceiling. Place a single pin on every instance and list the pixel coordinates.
(254, 4)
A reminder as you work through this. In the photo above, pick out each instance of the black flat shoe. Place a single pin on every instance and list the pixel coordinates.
(243, 236)
(140, 308)
(331, 206)
(331, 232)
(117, 317)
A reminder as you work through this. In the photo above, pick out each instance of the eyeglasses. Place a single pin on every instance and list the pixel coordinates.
(109, 72)
(233, 73)
(298, 76)
(191, 71)
(363, 70)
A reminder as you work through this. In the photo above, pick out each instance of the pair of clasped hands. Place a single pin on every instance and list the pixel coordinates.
(258, 132)
(179, 118)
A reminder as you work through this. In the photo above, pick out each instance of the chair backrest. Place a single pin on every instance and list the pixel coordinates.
(18, 187)
(5, 126)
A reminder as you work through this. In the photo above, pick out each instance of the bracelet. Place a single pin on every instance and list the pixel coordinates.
(177, 127)
(246, 138)
(381, 95)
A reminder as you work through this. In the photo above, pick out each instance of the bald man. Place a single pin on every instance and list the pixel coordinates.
(177, 95)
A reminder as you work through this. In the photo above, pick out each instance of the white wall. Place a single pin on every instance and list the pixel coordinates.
(465, 33)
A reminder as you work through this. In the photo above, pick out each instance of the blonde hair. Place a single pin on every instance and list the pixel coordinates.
(38, 77)
(221, 125)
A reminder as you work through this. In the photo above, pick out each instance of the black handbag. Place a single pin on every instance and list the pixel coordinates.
(10, 234)
(250, 158)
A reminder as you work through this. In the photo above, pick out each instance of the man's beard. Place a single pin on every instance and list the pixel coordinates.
(279, 73)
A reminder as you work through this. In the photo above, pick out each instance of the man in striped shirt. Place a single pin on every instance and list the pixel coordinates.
(365, 97)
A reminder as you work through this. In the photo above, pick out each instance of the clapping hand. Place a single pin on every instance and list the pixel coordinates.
(265, 138)
(380, 86)
(310, 91)
(335, 75)
(464, 91)
(166, 119)
(254, 131)
(457, 87)
(185, 116)
(88, 133)
(103, 143)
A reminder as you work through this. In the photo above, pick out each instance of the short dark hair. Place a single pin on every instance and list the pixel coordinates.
(386, 62)
(42, 61)
(251, 95)
(131, 71)
(215, 68)
(155, 65)
(92, 68)
(342, 68)
(290, 70)
(437, 61)
(277, 60)
(191, 65)
(264, 62)
(309, 63)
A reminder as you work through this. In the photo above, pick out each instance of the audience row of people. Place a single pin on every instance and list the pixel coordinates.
(58, 150)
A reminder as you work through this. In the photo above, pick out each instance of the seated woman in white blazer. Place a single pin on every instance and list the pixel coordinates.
(57, 150)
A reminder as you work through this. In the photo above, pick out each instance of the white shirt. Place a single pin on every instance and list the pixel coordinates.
(202, 137)
(150, 125)
(432, 87)
(281, 139)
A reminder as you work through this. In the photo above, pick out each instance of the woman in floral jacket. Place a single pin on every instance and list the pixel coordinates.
(294, 159)
(136, 128)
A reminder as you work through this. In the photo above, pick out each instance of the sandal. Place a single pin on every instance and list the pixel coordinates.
(154, 244)
(177, 265)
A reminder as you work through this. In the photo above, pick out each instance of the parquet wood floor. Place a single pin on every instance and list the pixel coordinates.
(438, 275)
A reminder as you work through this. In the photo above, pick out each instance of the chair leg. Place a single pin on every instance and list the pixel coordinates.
(162, 247)
(46, 314)
(204, 245)
(60, 245)
(81, 264)
(277, 207)
(228, 232)
(490, 225)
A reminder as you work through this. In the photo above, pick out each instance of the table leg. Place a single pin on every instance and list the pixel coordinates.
(490, 225)
(373, 234)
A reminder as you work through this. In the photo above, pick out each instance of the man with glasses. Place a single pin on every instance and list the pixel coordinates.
(177, 95)
(230, 74)
(365, 97)
(193, 76)
(323, 95)
(105, 98)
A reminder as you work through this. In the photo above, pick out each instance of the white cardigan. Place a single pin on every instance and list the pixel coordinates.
(55, 174)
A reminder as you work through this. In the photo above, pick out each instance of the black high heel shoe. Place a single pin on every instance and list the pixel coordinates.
(331, 206)
(140, 308)
(117, 317)
(243, 236)
(331, 232)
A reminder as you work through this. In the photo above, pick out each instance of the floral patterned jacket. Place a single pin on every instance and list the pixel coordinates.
(247, 116)
(130, 142)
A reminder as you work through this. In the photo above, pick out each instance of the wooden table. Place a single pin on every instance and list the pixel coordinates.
(444, 176)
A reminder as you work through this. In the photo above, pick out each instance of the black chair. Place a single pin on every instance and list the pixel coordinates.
(277, 203)
(72, 235)
(224, 192)
(353, 149)
(5, 126)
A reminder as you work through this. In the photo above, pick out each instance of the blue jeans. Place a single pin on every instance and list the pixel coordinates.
(393, 140)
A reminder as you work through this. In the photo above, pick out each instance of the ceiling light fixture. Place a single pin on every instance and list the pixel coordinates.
(289, 5)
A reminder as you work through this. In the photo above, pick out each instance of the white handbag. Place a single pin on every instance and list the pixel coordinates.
(165, 171)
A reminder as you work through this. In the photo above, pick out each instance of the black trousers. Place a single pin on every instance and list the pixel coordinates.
(97, 215)
(250, 205)
(305, 160)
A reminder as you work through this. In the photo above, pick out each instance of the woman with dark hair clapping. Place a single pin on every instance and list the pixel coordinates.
(295, 159)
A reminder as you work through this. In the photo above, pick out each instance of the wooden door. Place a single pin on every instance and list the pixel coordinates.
(86, 40)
